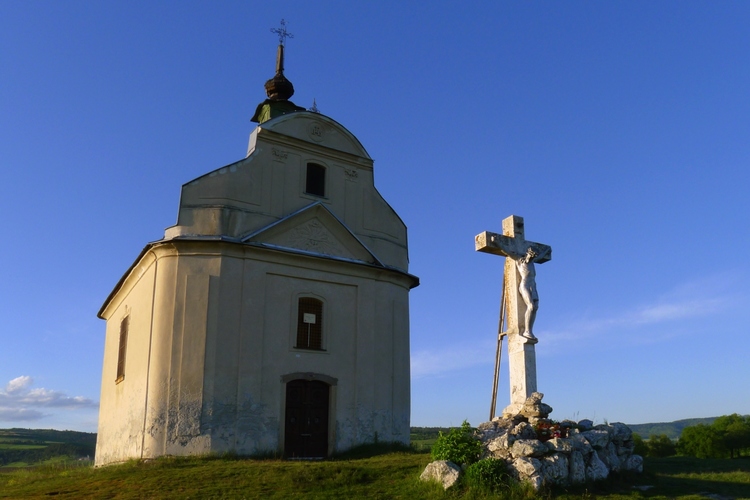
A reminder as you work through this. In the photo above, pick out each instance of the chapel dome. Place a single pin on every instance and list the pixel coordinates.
(278, 89)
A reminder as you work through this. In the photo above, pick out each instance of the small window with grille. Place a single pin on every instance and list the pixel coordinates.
(315, 183)
(123, 349)
(309, 324)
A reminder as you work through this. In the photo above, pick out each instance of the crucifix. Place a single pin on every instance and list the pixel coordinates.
(518, 307)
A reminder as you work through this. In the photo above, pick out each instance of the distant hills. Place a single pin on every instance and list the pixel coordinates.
(671, 429)
(28, 447)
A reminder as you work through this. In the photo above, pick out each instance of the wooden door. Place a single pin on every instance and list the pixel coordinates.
(306, 427)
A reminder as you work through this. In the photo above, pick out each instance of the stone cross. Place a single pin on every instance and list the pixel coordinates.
(521, 302)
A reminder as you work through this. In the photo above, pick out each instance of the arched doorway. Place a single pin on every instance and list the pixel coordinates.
(306, 426)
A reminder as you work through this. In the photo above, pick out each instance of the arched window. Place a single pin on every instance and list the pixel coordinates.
(122, 349)
(309, 324)
(315, 182)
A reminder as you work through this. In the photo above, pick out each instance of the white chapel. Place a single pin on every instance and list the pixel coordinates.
(274, 316)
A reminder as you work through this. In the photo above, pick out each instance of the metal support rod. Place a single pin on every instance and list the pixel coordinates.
(498, 354)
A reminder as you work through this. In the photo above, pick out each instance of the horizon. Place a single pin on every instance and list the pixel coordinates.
(617, 130)
(413, 426)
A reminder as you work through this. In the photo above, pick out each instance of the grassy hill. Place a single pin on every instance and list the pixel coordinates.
(377, 476)
(376, 471)
(27, 447)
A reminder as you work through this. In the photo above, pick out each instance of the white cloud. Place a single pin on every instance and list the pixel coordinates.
(18, 384)
(19, 415)
(692, 300)
(18, 402)
(695, 299)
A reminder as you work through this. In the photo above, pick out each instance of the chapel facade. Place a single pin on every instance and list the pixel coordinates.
(274, 316)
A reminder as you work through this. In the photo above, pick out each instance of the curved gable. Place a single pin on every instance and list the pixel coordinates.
(316, 129)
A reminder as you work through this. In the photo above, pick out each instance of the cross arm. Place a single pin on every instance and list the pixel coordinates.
(507, 246)
(494, 243)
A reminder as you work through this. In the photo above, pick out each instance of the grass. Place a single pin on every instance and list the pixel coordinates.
(363, 473)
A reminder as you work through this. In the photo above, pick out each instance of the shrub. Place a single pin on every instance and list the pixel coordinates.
(661, 446)
(458, 446)
(488, 474)
(640, 445)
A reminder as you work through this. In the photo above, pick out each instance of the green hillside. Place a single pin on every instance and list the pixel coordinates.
(28, 447)
(387, 476)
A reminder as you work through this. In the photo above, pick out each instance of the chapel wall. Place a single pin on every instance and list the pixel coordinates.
(162, 340)
(122, 404)
(269, 184)
(251, 345)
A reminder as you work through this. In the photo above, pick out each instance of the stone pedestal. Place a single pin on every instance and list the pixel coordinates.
(521, 350)
(522, 362)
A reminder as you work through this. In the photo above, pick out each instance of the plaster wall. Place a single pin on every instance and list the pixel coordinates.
(121, 424)
(224, 341)
(269, 184)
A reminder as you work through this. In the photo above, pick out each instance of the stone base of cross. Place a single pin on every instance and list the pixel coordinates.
(519, 296)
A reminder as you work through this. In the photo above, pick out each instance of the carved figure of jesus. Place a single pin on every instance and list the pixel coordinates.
(527, 288)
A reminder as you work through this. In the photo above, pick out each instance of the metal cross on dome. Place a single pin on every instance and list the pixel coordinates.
(282, 32)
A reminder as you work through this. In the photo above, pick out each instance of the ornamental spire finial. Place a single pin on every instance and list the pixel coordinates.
(282, 32)
(278, 89)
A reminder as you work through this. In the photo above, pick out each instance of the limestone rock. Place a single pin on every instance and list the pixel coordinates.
(489, 431)
(528, 448)
(580, 443)
(534, 408)
(608, 455)
(577, 470)
(634, 463)
(442, 471)
(585, 424)
(555, 469)
(525, 467)
(626, 449)
(559, 444)
(621, 433)
(523, 430)
(568, 423)
(598, 438)
(588, 454)
(596, 469)
(499, 447)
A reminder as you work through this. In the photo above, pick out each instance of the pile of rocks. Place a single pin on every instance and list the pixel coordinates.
(543, 452)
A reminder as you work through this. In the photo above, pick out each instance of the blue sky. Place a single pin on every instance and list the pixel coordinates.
(618, 130)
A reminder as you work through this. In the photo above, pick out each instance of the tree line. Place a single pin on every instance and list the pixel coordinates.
(36, 455)
(726, 437)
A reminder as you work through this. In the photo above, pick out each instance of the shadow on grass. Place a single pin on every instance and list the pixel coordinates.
(691, 476)
(673, 477)
(363, 451)
(370, 450)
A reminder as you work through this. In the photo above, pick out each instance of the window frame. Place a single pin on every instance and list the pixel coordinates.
(318, 179)
(316, 338)
(122, 349)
